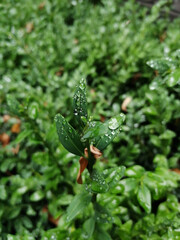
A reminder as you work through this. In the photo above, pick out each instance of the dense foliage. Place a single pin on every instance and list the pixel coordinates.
(130, 56)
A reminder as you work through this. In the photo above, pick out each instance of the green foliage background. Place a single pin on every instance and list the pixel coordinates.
(123, 49)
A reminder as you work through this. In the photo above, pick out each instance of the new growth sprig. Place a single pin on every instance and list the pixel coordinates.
(91, 137)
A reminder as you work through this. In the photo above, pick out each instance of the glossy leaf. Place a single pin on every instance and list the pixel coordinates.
(98, 184)
(173, 78)
(77, 205)
(114, 124)
(89, 226)
(135, 171)
(37, 196)
(102, 215)
(33, 110)
(113, 175)
(161, 65)
(144, 198)
(129, 185)
(68, 136)
(95, 129)
(80, 103)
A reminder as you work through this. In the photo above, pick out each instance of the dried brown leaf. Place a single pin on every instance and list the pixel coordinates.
(125, 103)
(29, 27)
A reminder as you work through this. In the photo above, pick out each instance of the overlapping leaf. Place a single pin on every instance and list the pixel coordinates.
(68, 136)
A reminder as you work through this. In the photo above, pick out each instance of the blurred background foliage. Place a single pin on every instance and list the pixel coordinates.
(130, 56)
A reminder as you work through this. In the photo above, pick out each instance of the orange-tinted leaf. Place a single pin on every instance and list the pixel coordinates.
(96, 152)
(15, 128)
(83, 164)
(41, 5)
(6, 118)
(50, 217)
(126, 103)
(176, 170)
(4, 139)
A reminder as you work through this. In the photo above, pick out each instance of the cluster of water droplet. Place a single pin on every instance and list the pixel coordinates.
(80, 102)
(99, 182)
(64, 127)
(103, 217)
(88, 188)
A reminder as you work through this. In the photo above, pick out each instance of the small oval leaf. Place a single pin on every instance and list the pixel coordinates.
(144, 198)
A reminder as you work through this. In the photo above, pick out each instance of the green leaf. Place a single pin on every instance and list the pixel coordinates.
(13, 104)
(100, 234)
(3, 193)
(33, 110)
(95, 129)
(156, 184)
(161, 65)
(160, 160)
(102, 215)
(65, 200)
(77, 205)
(41, 158)
(11, 237)
(21, 136)
(135, 171)
(113, 175)
(89, 226)
(155, 140)
(129, 185)
(144, 198)
(13, 212)
(80, 103)
(68, 136)
(98, 184)
(37, 196)
(173, 78)
(168, 134)
(114, 124)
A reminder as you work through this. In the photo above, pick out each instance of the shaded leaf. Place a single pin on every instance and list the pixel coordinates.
(13, 104)
(23, 135)
(161, 65)
(77, 205)
(89, 226)
(68, 136)
(3, 193)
